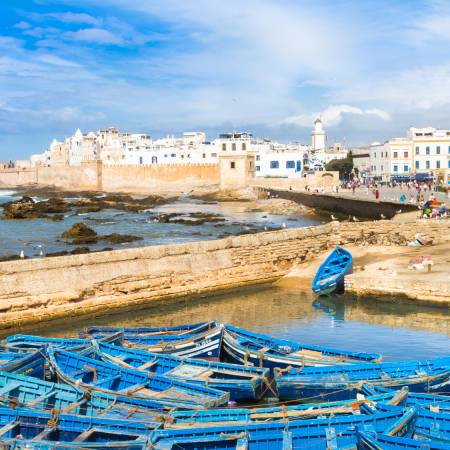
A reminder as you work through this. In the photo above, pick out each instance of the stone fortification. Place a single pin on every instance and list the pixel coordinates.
(42, 289)
(93, 175)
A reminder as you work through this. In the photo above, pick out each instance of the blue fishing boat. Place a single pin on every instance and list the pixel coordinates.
(254, 349)
(342, 381)
(379, 441)
(29, 392)
(194, 328)
(92, 374)
(203, 345)
(329, 278)
(242, 383)
(32, 364)
(24, 428)
(333, 432)
(28, 343)
(232, 416)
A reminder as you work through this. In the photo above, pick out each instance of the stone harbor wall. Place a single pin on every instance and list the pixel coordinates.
(37, 290)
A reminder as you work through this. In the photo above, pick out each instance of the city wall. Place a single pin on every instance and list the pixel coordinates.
(93, 175)
(37, 290)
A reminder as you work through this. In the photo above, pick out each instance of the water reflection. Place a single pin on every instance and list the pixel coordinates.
(398, 331)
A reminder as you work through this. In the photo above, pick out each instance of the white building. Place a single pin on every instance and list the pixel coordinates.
(423, 154)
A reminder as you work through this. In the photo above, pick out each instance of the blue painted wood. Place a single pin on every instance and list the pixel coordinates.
(24, 428)
(342, 381)
(30, 392)
(334, 432)
(330, 275)
(374, 441)
(255, 349)
(32, 364)
(360, 405)
(92, 374)
(242, 383)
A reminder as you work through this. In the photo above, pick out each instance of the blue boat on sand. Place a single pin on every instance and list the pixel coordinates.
(342, 381)
(242, 383)
(329, 278)
(259, 350)
(91, 374)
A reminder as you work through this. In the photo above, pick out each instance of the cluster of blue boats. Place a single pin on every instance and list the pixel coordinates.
(214, 386)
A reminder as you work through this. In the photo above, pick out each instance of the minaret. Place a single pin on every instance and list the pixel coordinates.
(318, 135)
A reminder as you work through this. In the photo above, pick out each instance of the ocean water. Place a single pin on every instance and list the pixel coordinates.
(42, 235)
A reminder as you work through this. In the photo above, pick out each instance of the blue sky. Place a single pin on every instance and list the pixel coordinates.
(370, 68)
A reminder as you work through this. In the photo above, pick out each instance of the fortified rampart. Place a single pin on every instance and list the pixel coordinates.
(93, 175)
(37, 290)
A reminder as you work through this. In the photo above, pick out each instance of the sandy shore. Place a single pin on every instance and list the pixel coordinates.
(383, 271)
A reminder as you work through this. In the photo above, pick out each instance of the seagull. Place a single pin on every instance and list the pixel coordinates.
(399, 211)
(22, 254)
(382, 216)
(265, 228)
(283, 225)
(41, 253)
(333, 218)
(355, 219)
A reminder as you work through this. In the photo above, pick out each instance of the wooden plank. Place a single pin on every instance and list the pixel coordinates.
(8, 427)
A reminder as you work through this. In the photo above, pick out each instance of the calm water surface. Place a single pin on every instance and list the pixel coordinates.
(396, 331)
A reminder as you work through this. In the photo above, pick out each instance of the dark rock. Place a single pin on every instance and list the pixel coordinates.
(11, 258)
(79, 230)
(62, 253)
(52, 205)
(57, 217)
(116, 238)
(20, 209)
(80, 251)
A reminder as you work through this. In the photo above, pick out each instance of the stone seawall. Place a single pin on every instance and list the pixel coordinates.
(369, 209)
(37, 290)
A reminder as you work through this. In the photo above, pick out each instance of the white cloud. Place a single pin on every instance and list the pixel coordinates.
(70, 17)
(22, 25)
(333, 115)
(95, 35)
(57, 61)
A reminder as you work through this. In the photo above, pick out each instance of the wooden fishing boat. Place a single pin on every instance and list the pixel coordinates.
(204, 345)
(242, 383)
(333, 432)
(24, 428)
(380, 441)
(28, 343)
(32, 364)
(233, 416)
(91, 374)
(194, 328)
(329, 278)
(342, 381)
(29, 392)
(254, 349)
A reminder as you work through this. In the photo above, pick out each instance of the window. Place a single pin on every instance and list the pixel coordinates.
(395, 154)
(417, 164)
(258, 168)
(232, 165)
(427, 164)
(290, 164)
(141, 160)
(448, 163)
(438, 164)
(233, 146)
(244, 146)
(405, 154)
(258, 157)
(224, 147)
(165, 156)
(250, 164)
(449, 150)
(427, 150)
(374, 154)
(395, 168)
(154, 160)
(382, 167)
(405, 168)
(438, 150)
(213, 155)
(417, 150)
(203, 155)
(172, 155)
(274, 164)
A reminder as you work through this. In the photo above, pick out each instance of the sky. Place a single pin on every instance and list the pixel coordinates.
(369, 68)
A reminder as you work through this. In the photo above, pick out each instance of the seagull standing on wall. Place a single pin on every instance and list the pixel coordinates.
(355, 219)
(22, 254)
(382, 216)
(333, 218)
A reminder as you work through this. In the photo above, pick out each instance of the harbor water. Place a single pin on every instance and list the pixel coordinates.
(397, 331)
